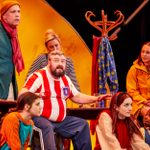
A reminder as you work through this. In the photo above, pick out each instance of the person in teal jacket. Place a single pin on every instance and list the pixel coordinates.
(10, 53)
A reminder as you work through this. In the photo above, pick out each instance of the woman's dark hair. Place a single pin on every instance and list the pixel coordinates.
(139, 57)
(131, 122)
(25, 98)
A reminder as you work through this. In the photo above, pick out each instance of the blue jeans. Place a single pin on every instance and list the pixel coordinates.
(74, 128)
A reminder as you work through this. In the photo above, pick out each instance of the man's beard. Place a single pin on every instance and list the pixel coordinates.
(58, 73)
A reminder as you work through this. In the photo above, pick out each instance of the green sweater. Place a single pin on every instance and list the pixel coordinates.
(7, 69)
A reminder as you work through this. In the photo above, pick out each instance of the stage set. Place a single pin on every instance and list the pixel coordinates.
(100, 26)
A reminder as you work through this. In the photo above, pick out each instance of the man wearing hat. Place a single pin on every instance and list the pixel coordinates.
(10, 53)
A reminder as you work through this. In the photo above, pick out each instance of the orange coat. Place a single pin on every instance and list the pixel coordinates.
(10, 131)
(138, 86)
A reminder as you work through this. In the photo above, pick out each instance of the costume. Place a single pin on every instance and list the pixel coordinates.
(54, 93)
(42, 61)
(53, 117)
(10, 58)
(5, 5)
(10, 54)
(138, 86)
(15, 132)
(110, 141)
(7, 71)
(146, 135)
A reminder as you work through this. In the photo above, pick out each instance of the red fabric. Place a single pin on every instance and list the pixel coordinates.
(54, 93)
(97, 144)
(123, 138)
(17, 56)
(95, 85)
(122, 134)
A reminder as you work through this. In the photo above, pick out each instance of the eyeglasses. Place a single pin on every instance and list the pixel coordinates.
(57, 60)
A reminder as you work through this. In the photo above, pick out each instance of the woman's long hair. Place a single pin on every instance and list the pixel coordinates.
(131, 122)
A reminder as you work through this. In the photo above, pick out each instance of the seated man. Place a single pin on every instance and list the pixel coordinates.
(55, 88)
(53, 42)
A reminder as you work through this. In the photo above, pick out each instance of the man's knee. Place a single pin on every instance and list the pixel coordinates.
(44, 124)
(85, 123)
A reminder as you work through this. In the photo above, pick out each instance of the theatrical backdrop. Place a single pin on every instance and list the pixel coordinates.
(67, 18)
(127, 46)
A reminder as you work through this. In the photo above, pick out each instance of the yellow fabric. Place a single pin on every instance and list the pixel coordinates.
(7, 4)
(138, 86)
(36, 21)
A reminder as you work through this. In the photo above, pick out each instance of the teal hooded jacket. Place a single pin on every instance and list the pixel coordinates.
(7, 68)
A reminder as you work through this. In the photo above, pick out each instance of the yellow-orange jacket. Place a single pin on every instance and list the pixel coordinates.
(138, 86)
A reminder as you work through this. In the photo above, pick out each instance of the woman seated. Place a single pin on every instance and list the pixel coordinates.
(16, 128)
(117, 129)
(138, 82)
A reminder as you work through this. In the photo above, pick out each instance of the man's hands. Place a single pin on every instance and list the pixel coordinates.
(104, 97)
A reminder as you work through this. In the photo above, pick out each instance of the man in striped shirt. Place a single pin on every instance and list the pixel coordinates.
(53, 42)
(55, 88)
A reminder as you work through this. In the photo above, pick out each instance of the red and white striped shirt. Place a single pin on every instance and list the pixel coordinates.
(54, 93)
